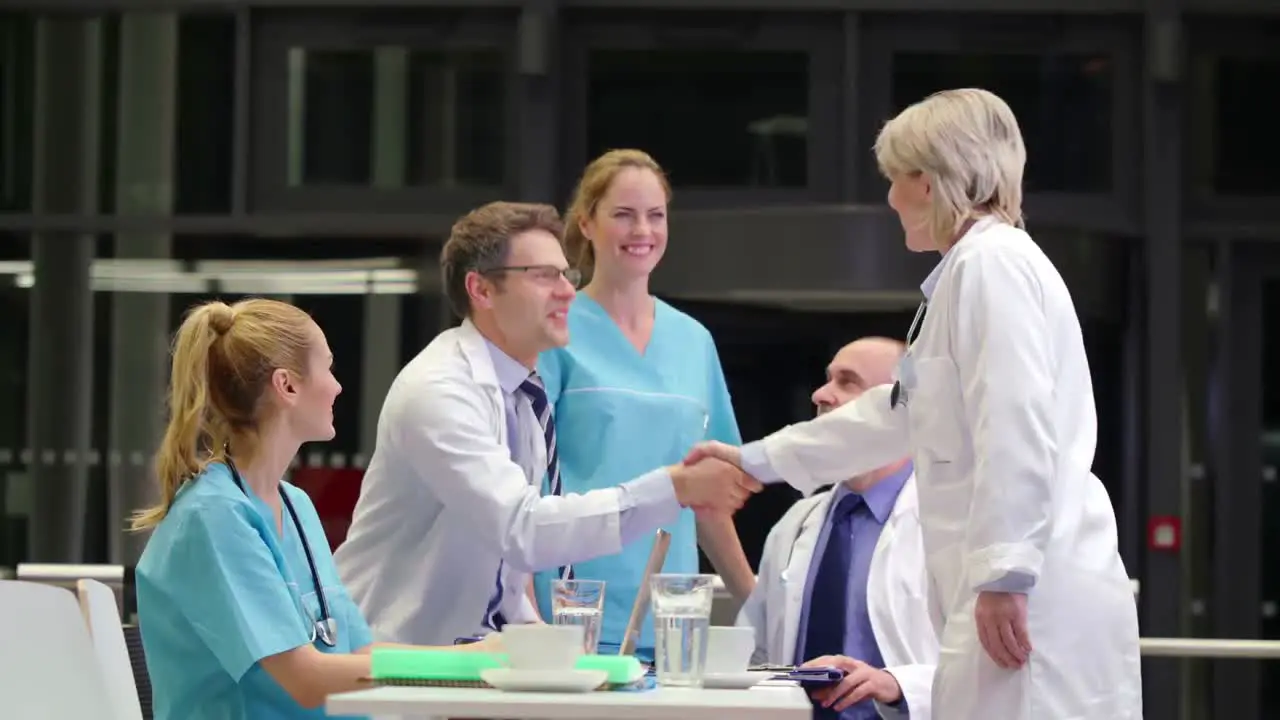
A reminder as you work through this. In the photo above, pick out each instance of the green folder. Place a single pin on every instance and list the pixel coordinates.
(441, 668)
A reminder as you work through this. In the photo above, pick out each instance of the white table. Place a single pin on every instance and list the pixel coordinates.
(763, 702)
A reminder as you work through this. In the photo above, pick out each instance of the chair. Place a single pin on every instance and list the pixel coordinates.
(47, 664)
(98, 604)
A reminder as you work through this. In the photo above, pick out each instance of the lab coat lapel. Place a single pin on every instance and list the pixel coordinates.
(533, 454)
(796, 573)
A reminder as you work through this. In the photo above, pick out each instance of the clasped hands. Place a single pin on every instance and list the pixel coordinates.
(711, 481)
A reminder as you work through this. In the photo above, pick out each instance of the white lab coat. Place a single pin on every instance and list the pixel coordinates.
(1000, 423)
(442, 504)
(904, 623)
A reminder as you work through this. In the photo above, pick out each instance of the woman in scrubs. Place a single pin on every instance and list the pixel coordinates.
(240, 606)
(638, 385)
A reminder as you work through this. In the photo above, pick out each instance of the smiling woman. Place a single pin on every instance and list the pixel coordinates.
(638, 384)
(242, 611)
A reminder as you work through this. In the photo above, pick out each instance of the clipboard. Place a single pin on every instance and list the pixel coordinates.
(657, 556)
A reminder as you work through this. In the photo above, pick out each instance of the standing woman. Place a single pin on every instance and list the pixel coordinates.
(639, 383)
(994, 402)
(242, 613)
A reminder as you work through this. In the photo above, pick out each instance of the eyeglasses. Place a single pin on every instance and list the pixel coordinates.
(542, 273)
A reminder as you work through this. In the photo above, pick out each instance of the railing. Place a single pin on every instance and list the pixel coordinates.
(113, 576)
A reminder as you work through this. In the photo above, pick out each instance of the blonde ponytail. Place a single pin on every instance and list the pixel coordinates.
(194, 435)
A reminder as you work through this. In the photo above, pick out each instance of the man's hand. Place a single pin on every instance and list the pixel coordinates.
(1002, 627)
(717, 450)
(712, 485)
(861, 681)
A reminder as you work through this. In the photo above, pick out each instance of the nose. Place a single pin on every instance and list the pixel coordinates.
(565, 289)
(822, 396)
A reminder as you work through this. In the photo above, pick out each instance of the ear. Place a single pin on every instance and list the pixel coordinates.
(584, 224)
(480, 289)
(283, 385)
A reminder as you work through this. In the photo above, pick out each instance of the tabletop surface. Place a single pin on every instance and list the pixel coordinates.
(775, 701)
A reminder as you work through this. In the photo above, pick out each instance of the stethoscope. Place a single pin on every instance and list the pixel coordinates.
(898, 395)
(325, 629)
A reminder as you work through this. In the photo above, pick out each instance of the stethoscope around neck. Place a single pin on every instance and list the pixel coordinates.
(324, 629)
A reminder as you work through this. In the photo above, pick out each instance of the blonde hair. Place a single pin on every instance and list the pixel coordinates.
(968, 144)
(595, 182)
(223, 359)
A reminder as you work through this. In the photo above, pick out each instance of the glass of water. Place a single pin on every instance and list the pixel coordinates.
(579, 602)
(681, 615)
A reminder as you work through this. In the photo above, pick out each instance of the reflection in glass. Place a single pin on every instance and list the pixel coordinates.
(391, 116)
(712, 118)
(1246, 146)
(1063, 104)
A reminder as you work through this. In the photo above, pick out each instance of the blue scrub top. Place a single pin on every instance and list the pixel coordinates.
(220, 589)
(621, 413)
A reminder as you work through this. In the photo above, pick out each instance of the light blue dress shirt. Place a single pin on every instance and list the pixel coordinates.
(219, 589)
(864, 531)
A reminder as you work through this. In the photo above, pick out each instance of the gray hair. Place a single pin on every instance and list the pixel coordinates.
(968, 144)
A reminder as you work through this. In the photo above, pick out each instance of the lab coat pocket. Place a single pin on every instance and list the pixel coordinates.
(936, 412)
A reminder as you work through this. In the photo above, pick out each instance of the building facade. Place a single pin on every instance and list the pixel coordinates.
(153, 152)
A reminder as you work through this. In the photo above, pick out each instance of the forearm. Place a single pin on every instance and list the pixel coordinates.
(718, 537)
(310, 676)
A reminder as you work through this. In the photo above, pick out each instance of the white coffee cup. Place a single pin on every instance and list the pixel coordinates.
(729, 649)
(542, 647)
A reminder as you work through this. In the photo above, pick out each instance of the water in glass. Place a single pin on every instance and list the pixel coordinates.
(589, 618)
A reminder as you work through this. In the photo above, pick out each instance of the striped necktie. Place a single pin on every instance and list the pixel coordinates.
(532, 388)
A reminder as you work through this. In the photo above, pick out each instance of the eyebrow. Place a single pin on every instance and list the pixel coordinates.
(631, 209)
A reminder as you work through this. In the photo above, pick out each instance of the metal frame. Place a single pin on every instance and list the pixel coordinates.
(273, 36)
(790, 32)
(1114, 212)
(1237, 465)
(1208, 40)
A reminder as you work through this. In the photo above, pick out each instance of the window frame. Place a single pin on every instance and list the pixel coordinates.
(273, 36)
(1116, 212)
(585, 32)
(1208, 40)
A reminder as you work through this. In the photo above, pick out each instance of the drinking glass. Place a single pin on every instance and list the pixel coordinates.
(681, 615)
(579, 602)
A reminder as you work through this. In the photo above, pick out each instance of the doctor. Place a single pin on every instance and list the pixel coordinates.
(451, 522)
(995, 406)
(842, 578)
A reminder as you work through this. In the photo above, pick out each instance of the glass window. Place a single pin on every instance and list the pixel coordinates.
(1063, 104)
(390, 117)
(714, 119)
(17, 73)
(1246, 146)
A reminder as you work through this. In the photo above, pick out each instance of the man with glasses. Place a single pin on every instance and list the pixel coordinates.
(451, 521)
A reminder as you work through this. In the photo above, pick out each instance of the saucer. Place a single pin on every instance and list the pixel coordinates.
(735, 680)
(575, 681)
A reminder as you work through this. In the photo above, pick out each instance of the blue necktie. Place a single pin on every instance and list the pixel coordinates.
(532, 387)
(829, 596)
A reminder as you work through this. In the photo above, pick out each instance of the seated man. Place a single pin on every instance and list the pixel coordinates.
(842, 578)
(451, 521)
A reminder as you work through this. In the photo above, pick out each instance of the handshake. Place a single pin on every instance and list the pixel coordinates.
(710, 480)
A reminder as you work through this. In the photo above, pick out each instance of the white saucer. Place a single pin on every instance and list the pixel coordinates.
(575, 681)
(735, 680)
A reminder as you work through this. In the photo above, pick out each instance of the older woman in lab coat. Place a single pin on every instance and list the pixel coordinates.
(994, 403)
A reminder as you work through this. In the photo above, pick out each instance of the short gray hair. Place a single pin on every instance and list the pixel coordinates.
(968, 143)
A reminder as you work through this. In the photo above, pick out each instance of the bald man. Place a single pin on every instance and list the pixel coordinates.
(842, 578)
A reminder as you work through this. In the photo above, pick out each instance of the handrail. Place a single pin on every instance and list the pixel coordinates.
(1207, 648)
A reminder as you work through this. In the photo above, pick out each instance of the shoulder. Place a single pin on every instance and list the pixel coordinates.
(209, 510)
(685, 323)
(1004, 255)
(800, 509)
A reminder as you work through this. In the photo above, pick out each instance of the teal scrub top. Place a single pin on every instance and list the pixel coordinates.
(621, 413)
(219, 589)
